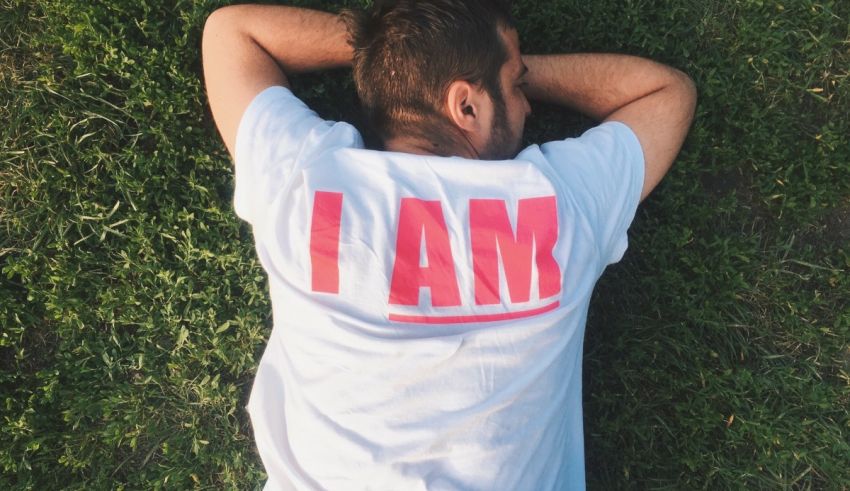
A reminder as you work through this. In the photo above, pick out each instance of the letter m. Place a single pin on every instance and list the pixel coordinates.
(493, 238)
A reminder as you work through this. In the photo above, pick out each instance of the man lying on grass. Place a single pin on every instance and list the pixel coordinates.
(430, 299)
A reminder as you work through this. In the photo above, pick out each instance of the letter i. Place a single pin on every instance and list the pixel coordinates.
(324, 241)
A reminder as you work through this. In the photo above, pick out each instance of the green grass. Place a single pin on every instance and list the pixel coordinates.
(134, 310)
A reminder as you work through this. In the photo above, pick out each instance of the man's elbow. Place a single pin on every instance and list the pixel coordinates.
(687, 90)
(214, 19)
(221, 19)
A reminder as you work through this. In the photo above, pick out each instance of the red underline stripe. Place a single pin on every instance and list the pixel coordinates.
(460, 319)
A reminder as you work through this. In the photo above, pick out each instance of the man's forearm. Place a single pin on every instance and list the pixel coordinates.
(248, 48)
(300, 40)
(595, 84)
(656, 101)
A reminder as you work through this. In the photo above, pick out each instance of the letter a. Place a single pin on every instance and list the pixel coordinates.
(420, 220)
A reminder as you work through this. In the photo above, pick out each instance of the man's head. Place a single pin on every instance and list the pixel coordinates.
(443, 71)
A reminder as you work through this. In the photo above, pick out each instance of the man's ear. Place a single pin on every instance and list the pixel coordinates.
(464, 102)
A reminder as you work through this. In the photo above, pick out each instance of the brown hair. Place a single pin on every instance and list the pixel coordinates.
(408, 52)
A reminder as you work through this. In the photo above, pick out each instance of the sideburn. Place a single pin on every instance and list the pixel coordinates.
(501, 145)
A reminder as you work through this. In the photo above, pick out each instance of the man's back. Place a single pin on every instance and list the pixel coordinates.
(429, 306)
(429, 311)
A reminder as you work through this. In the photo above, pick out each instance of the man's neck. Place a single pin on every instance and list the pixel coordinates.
(426, 147)
(432, 143)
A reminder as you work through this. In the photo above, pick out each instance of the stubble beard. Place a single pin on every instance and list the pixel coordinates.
(503, 144)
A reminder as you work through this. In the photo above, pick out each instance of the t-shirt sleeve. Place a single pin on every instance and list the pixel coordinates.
(277, 134)
(603, 171)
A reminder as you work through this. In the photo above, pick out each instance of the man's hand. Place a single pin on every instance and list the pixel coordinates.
(656, 101)
(248, 48)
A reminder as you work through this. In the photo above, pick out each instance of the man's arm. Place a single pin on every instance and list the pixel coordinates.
(656, 101)
(248, 48)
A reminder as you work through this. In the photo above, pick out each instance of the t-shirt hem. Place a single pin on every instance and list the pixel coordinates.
(636, 186)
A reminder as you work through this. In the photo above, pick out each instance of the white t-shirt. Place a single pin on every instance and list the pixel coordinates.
(429, 312)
